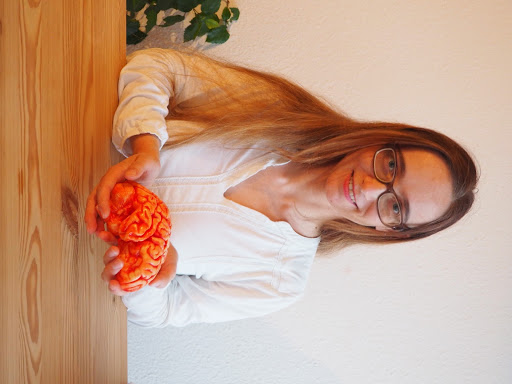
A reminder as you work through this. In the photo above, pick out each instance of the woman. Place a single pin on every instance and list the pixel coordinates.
(257, 174)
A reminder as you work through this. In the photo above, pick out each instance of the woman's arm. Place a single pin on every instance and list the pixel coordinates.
(150, 81)
(188, 300)
(146, 84)
(142, 167)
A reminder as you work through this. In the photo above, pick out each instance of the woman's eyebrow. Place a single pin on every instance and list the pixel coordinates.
(406, 210)
(401, 172)
(401, 161)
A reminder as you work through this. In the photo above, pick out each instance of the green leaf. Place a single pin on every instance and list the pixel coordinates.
(236, 14)
(136, 37)
(135, 5)
(151, 13)
(198, 26)
(187, 5)
(132, 26)
(211, 23)
(213, 17)
(218, 35)
(202, 19)
(226, 14)
(192, 31)
(210, 6)
(171, 20)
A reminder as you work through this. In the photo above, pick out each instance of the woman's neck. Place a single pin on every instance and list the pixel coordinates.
(291, 192)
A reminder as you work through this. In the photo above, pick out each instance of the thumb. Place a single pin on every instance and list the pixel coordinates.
(168, 270)
(133, 174)
(135, 170)
(166, 274)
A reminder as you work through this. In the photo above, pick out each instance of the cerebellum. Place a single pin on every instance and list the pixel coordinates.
(141, 223)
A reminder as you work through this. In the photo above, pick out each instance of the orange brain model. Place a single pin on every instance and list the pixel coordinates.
(140, 221)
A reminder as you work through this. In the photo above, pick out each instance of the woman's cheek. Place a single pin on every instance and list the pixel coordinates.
(368, 217)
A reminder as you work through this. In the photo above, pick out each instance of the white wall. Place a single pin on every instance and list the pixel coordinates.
(435, 311)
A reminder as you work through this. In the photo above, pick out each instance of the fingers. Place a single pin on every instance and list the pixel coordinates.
(137, 168)
(98, 205)
(111, 270)
(110, 255)
(115, 288)
(90, 213)
(114, 175)
(95, 224)
(105, 186)
(144, 168)
(107, 237)
(141, 167)
(98, 201)
(113, 265)
(168, 270)
(134, 172)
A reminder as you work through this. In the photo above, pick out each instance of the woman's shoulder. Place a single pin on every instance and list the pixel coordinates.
(173, 57)
(159, 52)
(210, 158)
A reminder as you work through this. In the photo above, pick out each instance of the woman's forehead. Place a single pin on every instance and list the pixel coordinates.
(425, 182)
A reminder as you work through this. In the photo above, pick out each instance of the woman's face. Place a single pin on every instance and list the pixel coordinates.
(423, 185)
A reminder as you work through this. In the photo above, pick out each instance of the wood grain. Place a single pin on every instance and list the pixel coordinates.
(59, 64)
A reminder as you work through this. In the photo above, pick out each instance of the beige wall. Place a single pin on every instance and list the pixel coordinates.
(438, 310)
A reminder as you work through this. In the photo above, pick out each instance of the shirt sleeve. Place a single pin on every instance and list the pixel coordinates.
(147, 83)
(188, 300)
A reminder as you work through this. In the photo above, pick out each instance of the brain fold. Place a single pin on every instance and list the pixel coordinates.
(140, 221)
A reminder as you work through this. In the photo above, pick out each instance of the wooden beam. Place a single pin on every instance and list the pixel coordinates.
(59, 65)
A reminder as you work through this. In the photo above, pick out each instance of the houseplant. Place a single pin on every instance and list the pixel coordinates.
(206, 17)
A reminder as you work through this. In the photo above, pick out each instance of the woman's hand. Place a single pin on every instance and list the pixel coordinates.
(113, 265)
(142, 167)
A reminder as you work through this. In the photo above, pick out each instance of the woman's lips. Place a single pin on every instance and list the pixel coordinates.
(348, 189)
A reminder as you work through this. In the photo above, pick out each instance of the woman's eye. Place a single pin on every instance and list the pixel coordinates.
(391, 164)
(396, 209)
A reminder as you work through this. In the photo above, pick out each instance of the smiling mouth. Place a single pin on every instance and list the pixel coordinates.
(351, 189)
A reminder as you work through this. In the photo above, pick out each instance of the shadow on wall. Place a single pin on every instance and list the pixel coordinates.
(245, 351)
(170, 37)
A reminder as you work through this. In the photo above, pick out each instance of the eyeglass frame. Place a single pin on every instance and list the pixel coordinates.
(389, 189)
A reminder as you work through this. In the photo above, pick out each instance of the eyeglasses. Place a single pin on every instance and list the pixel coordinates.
(388, 205)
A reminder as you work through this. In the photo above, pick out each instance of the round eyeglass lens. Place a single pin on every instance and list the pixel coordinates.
(384, 165)
(389, 209)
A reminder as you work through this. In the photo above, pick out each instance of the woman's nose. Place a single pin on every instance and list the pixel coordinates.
(372, 188)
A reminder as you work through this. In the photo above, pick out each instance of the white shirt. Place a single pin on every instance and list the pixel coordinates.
(234, 262)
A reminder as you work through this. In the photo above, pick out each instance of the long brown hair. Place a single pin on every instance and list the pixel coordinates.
(244, 107)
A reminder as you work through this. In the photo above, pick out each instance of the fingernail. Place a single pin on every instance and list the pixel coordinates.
(101, 211)
(117, 264)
